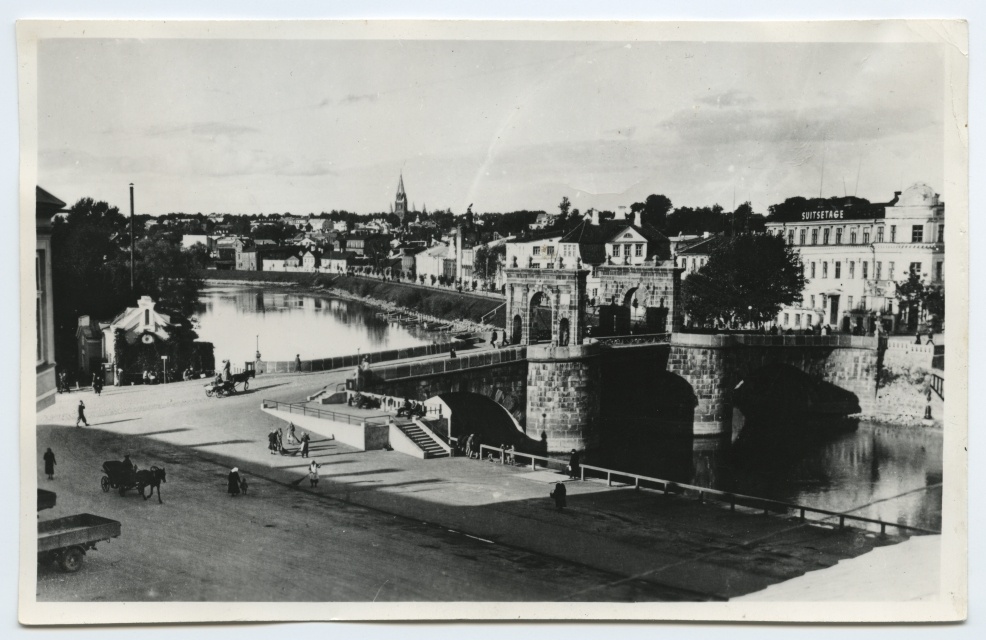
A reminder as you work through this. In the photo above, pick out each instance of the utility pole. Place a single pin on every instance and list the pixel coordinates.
(131, 238)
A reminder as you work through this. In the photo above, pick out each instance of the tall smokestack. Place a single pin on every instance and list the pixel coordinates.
(131, 237)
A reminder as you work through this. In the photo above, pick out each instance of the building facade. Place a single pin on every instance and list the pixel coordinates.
(46, 206)
(854, 257)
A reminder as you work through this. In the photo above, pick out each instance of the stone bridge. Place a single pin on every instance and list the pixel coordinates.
(569, 391)
(842, 370)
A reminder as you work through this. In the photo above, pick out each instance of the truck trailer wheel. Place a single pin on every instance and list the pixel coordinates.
(72, 559)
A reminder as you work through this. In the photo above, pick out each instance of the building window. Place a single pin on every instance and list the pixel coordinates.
(812, 271)
(915, 268)
(878, 271)
(537, 251)
(790, 236)
(825, 269)
(147, 316)
(616, 251)
(838, 236)
(595, 293)
(813, 302)
(893, 233)
(838, 270)
(852, 237)
(850, 302)
(535, 265)
(879, 234)
(938, 271)
(638, 250)
(862, 302)
(917, 233)
(866, 236)
(941, 233)
(801, 237)
(797, 319)
(890, 271)
(852, 269)
(787, 319)
(549, 250)
(825, 236)
(814, 236)
(865, 269)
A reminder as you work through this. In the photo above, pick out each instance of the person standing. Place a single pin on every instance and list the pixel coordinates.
(272, 441)
(304, 445)
(297, 363)
(559, 495)
(49, 459)
(575, 465)
(82, 415)
(227, 376)
(292, 438)
(233, 482)
(280, 440)
(313, 473)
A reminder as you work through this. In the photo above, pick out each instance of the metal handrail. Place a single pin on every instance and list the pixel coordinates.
(767, 504)
(482, 318)
(938, 384)
(324, 414)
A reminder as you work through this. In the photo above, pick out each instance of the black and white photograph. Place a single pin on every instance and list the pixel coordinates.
(438, 320)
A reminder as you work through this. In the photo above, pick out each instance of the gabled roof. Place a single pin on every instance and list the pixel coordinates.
(45, 200)
(592, 239)
(703, 247)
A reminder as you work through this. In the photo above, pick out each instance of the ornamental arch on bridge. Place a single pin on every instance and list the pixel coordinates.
(546, 306)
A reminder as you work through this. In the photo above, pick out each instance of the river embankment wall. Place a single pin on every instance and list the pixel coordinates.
(438, 304)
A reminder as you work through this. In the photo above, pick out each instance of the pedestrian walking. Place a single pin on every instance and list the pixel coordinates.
(280, 440)
(82, 415)
(931, 337)
(272, 441)
(233, 482)
(49, 459)
(297, 363)
(559, 495)
(313, 473)
(304, 445)
(292, 438)
(575, 465)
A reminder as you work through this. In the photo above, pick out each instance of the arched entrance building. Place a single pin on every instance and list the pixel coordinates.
(546, 306)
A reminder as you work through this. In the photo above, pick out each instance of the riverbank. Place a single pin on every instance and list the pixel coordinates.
(464, 311)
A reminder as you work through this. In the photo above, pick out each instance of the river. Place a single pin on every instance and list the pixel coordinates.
(890, 473)
(240, 319)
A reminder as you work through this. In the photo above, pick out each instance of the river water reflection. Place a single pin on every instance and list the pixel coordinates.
(877, 471)
(289, 324)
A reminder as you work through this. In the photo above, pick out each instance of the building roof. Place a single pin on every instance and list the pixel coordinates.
(46, 200)
(592, 239)
(703, 247)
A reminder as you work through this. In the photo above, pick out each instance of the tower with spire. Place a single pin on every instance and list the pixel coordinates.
(400, 203)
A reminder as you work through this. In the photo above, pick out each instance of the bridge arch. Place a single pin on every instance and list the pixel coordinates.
(541, 298)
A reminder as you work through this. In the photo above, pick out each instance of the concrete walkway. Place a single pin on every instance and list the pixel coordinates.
(694, 551)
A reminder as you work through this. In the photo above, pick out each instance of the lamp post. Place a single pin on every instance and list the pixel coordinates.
(258, 348)
(164, 366)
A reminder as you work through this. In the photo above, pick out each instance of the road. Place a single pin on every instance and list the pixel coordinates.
(277, 543)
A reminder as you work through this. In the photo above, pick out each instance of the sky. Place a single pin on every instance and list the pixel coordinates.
(264, 126)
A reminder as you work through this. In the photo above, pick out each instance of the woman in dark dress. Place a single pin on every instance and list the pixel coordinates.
(304, 445)
(575, 465)
(233, 482)
(558, 495)
(49, 459)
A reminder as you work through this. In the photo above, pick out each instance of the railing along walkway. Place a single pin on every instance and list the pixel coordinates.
(938, 384)
(669, 487)
(324, 414)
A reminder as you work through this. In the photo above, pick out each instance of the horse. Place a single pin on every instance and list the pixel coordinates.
(152, 478)
(243, 377)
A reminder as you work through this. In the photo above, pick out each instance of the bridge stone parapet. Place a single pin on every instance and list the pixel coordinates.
(500, 374)
(656, 287)
(715, 364)
(563, 390)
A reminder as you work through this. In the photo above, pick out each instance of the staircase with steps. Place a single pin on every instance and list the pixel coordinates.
(422, 439)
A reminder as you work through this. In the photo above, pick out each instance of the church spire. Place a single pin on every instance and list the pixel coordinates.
(400, 203)
(400, 188)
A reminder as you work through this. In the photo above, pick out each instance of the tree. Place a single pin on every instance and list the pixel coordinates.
(654, 210)
(487, 260)
(564, 206)
(918, 298)
(747, 279)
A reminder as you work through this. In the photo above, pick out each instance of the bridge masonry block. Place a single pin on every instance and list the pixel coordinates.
(563, 386)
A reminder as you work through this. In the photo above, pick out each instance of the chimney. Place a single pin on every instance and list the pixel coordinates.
(621, 213)
(636, 219)
(595, 217)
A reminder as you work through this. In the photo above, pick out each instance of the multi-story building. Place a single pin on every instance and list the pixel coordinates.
(46, 206)
(854, 257)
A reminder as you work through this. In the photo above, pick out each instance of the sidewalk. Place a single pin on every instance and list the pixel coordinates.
(698, 551)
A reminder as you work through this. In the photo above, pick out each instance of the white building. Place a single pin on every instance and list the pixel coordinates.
(434, 261)
(854, 256)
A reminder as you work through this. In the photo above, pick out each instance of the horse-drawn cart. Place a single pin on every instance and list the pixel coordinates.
(222, 388)
(119, 477)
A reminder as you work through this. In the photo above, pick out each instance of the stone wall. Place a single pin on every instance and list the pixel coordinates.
(563, 389)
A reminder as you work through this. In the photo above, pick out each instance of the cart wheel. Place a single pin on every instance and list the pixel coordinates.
(208, 393)
(104, 482)
(123, 491)
(220, 392)
(72, 560)
(246, 385)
